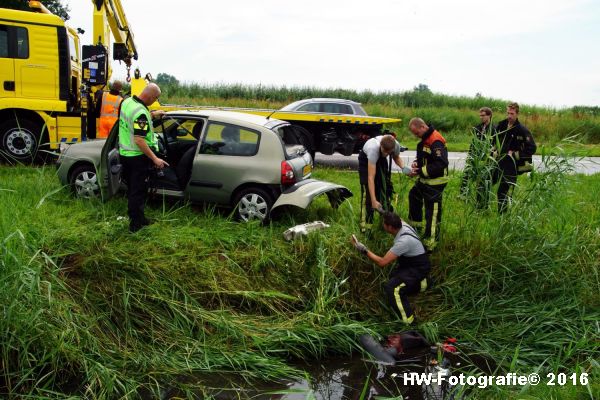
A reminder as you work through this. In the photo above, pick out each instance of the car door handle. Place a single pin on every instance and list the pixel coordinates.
(9, 86)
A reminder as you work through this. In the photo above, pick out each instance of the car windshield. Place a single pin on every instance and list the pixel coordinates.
(292, 106)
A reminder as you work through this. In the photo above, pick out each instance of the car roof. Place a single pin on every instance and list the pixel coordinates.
(327, 100)
(229, 116)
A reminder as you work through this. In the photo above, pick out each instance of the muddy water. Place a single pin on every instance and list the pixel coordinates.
(346, 378)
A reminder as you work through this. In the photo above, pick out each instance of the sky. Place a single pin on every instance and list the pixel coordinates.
(542, 52)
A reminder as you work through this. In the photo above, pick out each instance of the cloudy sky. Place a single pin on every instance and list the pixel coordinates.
(542, 52)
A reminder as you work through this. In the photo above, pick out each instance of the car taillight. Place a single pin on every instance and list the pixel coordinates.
(287, 174)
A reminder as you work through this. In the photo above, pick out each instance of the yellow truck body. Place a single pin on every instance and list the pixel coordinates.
(39, 83)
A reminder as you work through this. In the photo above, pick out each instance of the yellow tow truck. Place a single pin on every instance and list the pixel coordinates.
(48, 80)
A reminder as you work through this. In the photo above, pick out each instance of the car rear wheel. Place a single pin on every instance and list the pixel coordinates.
(253, 203)
(84, 182)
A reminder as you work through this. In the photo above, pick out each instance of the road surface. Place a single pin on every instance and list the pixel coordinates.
(586, 165)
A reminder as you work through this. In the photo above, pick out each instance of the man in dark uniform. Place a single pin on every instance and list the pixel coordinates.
(514, 147)
(137, 146)
(374, 170)
(478, 167)
(431, 170)
(412, 265)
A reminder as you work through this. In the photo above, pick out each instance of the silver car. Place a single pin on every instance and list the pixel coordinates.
(222, 157)
(327, 106)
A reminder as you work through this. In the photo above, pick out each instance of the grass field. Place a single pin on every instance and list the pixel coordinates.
(90, 310)
(576, 129)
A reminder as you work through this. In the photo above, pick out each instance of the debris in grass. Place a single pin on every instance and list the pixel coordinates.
(303, 230)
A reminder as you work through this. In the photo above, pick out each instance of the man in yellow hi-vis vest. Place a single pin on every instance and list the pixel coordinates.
(137, 146)
(108, 109)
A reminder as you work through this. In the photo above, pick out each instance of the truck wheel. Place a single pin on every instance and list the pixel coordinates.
(20, 140)
(305, 138)
(253, 203)
(84, 182)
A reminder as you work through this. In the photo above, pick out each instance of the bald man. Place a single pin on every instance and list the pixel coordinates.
(137, 146)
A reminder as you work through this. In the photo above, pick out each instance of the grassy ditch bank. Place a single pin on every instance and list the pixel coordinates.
(90, 310)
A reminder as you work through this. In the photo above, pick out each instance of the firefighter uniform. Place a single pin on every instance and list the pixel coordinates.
(109, 113)
(135, 120)
(384, 189)
(409, 276)
(432, 163)
(518, 140)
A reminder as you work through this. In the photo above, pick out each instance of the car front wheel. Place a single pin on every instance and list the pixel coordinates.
(84, 182)
(253, 203)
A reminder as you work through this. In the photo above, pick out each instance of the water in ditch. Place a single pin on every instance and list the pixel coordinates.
(346, 378)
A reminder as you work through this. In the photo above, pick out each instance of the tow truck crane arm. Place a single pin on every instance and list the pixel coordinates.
(109, 14)
(108, 19)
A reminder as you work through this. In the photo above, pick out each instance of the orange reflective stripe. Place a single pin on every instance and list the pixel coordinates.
(109, 113)
(434, 137)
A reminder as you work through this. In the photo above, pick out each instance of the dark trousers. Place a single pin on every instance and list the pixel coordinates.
(383, 186)
(506, 174)
(136, 171)
(397, 290)
(429, 196)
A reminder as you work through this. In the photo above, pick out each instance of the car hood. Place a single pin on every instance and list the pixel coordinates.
(302, 193)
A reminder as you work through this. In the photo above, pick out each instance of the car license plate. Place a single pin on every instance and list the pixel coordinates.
(306, 170)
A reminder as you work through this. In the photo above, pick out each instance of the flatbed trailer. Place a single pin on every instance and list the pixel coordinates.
(325, 133)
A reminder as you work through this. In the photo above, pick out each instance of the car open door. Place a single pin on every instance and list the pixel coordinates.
(110, 169)
(302, 194)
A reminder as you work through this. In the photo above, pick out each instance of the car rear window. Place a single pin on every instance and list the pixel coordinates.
(289, 135)
(359, 110)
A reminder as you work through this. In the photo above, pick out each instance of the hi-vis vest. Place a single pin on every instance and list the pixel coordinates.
(434, 137)
(130, 111)
(109, 112)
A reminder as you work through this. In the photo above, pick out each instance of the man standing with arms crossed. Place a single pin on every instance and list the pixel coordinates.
(137, 144)
(515, 148)
(374, 172)
(431, 170)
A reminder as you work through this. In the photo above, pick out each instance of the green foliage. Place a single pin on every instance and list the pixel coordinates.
(93, 311)
(454, 116)
(55, 6)
(166, 80)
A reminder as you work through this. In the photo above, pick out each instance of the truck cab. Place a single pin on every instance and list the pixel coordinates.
(40, 76)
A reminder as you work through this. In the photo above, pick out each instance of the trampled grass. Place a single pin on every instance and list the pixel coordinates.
(91, 310)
